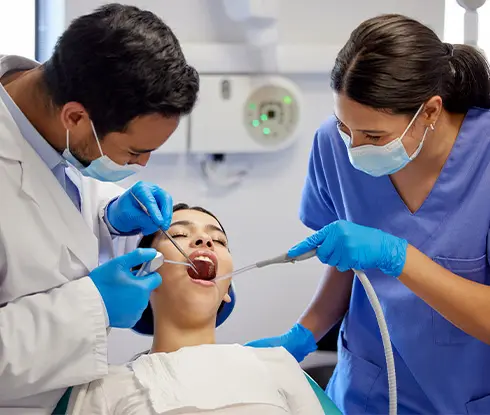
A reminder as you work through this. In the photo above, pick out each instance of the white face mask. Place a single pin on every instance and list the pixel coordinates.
(102, 168)
(382, 160)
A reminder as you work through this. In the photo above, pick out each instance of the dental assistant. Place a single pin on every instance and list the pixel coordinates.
(112, 92)
(407, 153)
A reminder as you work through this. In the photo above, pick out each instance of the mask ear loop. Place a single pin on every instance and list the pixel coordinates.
(412, 121)
(68, 139)
(96, 138)
(417, 151)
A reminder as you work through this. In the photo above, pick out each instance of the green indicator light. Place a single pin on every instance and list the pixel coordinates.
(263, 117)
(266, 131)
(287, 100)
(255, 123)
(252, 106)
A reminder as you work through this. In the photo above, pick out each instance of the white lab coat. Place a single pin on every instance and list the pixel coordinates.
(52, 319)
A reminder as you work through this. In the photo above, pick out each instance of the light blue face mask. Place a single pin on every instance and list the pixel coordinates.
(382, 160)
(102, 168)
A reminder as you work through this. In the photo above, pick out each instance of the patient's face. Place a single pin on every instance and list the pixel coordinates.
(202, 238)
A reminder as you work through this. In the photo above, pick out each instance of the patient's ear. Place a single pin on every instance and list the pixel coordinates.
(227, 298)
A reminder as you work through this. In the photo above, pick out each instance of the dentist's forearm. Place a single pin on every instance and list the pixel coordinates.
(463, 302)
(330, 302)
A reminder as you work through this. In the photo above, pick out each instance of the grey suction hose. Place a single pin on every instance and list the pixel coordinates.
(375, 304)
(385, 337)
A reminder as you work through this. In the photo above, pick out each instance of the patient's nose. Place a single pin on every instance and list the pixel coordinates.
(203, 241)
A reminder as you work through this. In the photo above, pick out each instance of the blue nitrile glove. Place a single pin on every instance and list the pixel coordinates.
(346, 245)
(299, 341)
(126, 216)
(125, 296)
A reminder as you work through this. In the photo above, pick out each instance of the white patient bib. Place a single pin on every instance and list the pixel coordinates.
(207, 377)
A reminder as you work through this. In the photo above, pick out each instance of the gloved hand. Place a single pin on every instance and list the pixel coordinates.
(125, 296)
(299, 341)
(346, 245)
(126, 216)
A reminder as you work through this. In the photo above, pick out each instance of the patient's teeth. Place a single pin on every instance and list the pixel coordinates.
(203, 258)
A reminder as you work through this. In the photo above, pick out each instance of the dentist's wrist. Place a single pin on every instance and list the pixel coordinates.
(108, 223)
(395, 255)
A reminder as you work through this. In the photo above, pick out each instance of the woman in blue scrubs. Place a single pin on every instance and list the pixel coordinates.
(407, 154)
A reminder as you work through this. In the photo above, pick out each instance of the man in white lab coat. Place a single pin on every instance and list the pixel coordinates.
(112, 92)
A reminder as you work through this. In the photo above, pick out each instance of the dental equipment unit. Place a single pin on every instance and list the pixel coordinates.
(373, 299)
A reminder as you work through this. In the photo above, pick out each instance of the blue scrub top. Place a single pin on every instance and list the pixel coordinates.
(439, 368)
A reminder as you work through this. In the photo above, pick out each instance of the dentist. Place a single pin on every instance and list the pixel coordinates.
(407, 153)
(112, 93)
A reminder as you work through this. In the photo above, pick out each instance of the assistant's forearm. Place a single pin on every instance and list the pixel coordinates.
(330, 302)
(463, 302)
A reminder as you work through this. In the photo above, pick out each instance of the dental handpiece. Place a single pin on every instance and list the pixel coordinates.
(281, 259)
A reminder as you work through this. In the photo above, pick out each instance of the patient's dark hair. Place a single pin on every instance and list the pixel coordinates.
(147, 240)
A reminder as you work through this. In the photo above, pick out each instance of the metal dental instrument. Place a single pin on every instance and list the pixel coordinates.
(151, 266)
(281, 259)
(177, 246)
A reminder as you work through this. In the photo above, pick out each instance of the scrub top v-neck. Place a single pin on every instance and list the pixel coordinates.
(439, 368)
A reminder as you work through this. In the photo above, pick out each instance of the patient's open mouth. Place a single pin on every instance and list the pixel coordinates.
(206, 263)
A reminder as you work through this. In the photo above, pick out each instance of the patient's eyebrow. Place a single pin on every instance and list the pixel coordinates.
(181, 223)
(214, 228)
(208, 227)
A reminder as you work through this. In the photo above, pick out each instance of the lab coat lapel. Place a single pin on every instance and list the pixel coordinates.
(58, 209)
(40, 185)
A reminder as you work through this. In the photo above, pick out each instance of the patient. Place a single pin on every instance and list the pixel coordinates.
(186, 372)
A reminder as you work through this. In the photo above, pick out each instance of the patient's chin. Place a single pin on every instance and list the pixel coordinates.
(199, 305)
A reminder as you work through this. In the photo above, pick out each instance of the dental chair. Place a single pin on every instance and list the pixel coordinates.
(328, 406)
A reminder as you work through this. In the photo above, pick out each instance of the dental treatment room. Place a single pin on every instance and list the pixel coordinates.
(241, 207)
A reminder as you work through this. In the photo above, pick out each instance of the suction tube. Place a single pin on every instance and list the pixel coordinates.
(385, 337)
